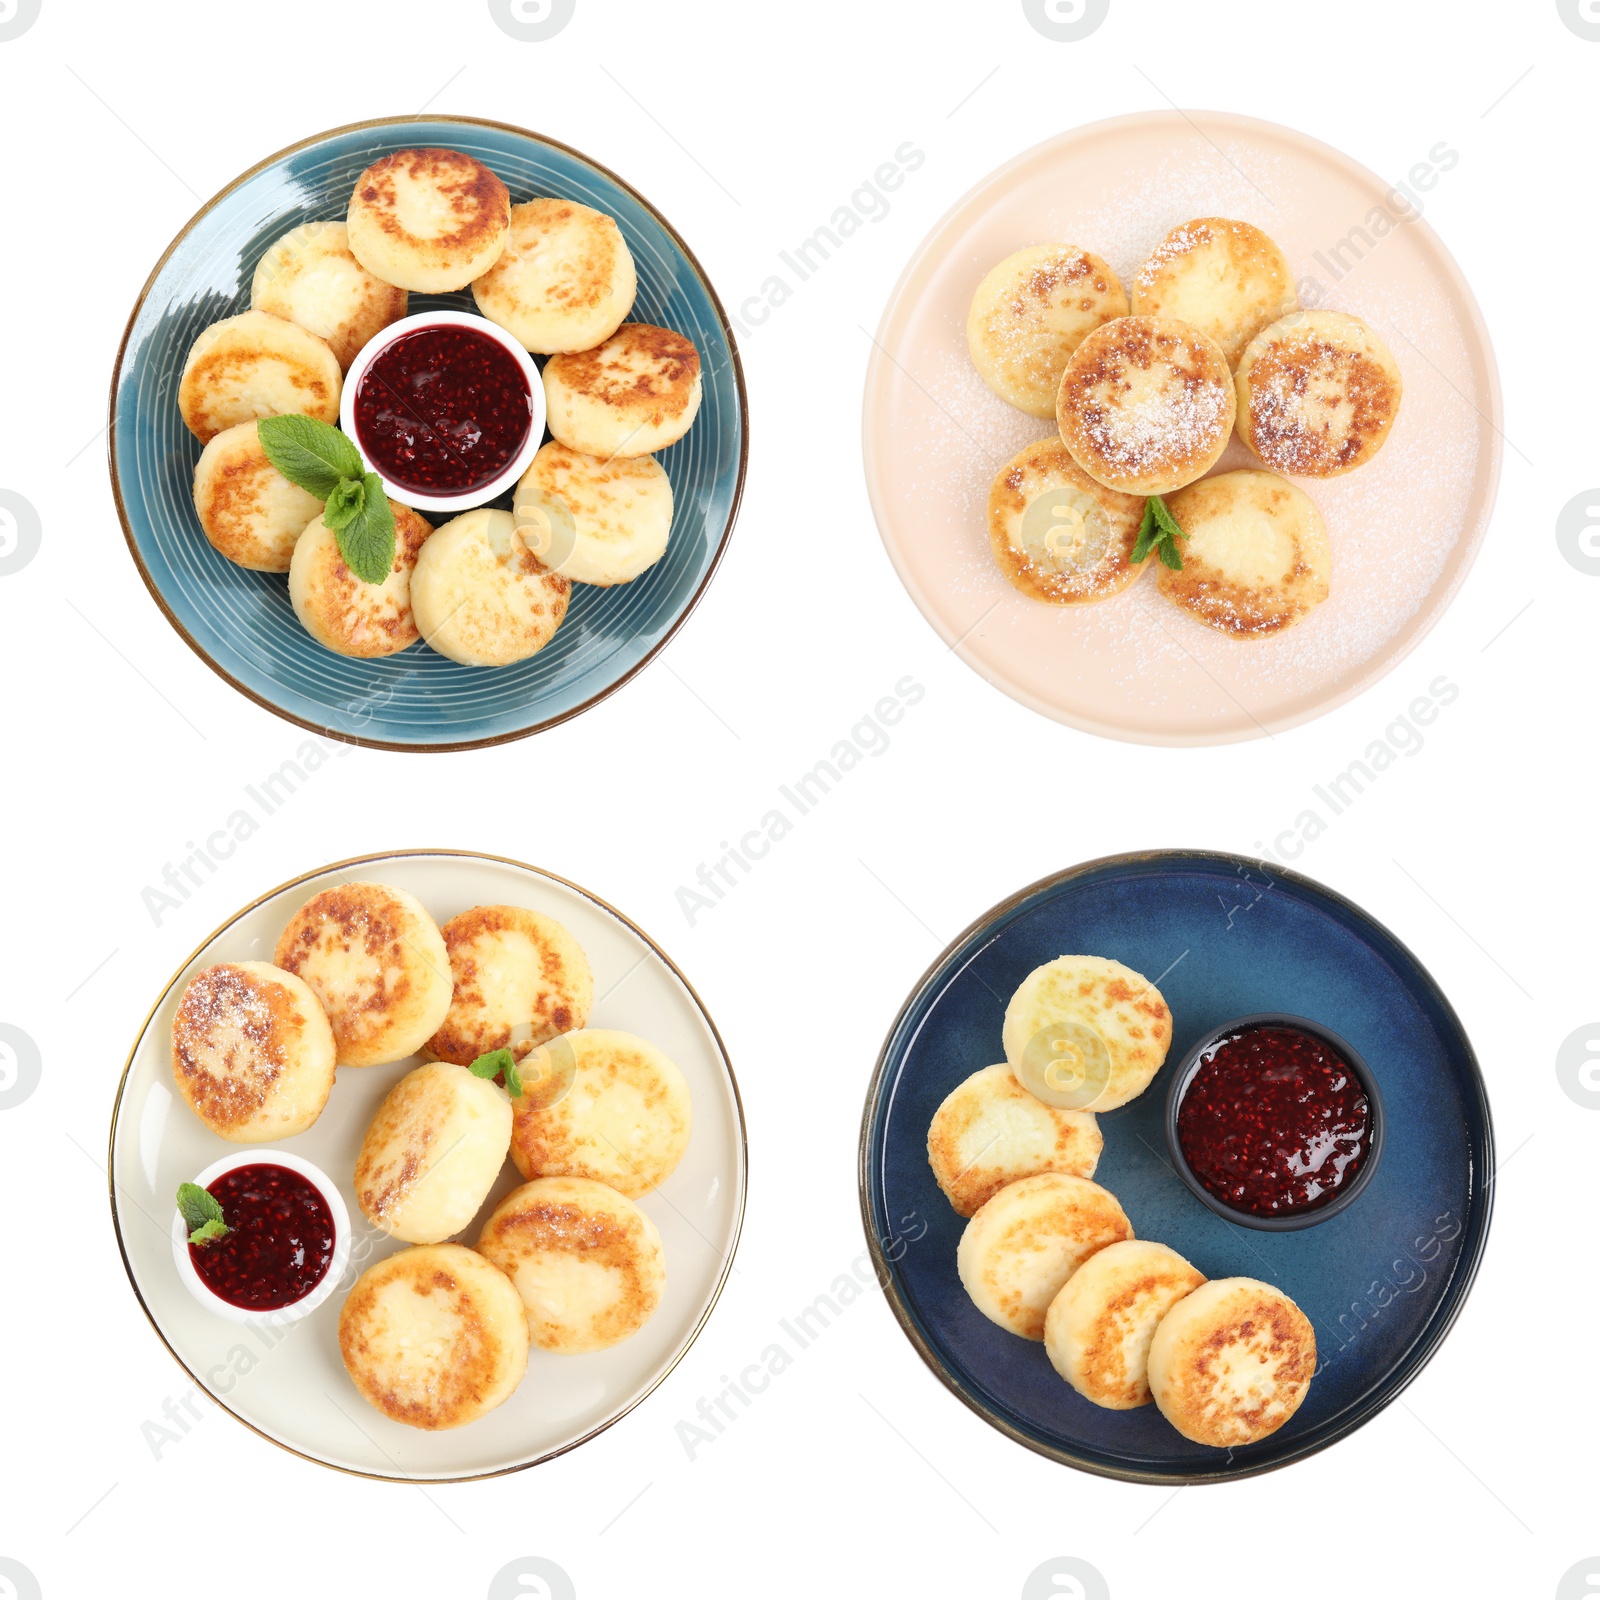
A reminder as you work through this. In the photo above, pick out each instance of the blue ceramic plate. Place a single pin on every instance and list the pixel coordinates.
(1222, 936)
(241, 622)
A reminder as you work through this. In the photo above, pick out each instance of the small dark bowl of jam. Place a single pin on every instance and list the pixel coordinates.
(287, 1245)
(1274, 1122)
(447, 408)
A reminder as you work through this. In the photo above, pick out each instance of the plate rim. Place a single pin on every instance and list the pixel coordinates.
(1416, 1356)
(1477, 531)
(627, 922)
(489, 740)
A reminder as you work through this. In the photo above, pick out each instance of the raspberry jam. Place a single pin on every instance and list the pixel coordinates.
(280, 1241)
(1274, 1122)
(443, 410)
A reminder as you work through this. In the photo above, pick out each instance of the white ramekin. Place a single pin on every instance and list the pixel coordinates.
(252, 1156)
(435, 319)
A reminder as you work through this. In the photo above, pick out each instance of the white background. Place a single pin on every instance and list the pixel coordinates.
(856, 1472)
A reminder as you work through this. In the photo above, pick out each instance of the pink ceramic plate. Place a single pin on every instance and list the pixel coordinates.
(1404, 528)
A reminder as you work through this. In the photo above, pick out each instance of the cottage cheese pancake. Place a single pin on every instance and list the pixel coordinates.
(1031, 312)
(1146, 405)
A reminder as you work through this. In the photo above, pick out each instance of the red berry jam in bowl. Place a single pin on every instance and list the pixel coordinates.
(1274, 1122)
(446, 408)
(286, 1243)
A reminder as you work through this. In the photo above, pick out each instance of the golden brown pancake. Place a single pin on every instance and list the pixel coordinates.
(1028, 1240)
(1030, 313)
(1098, 1329)
(989, 1131)
(432, 1153)
(429, 220)
(1146, 405)
(586, 1261)
(1257, 558)
(1318, 394)
(343, 613)
(1086, 1032)
(249, 511)
(1223, 277)
(1056, 534)
(519, 976)
(374, 958)
(631, 396)
(601, 1104)
(252, 366)
(434, 1336)
(252, 1053)
(1231, 1362)
(565, 280)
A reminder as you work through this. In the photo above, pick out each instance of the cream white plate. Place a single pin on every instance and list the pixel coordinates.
(293, 1389)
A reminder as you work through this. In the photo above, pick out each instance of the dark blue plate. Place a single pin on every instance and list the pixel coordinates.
(241, 623)
(1221, 936)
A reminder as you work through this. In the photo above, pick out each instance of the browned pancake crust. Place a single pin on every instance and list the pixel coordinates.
(364, 916)
(552, 1015)
(661, 390)
(337, 586)
(1114, 447)
(536, 1224)
(1246, 612)
(1281, 1334)
(475, 1356)
(1280, 377)
(229, 1088)
(480, 203)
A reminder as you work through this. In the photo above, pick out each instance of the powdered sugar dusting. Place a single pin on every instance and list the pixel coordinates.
(1136, 660)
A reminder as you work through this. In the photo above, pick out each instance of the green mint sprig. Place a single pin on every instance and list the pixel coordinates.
(1159, 531)
(202, 1213)
(493, 1064)
(355, 509)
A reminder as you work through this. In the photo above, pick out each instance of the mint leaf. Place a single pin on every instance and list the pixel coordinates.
(309, 453)
(1160, 531)
(1147, 532)
(493, 1064)
(201, 1213)
(344, 504)
(366, 541)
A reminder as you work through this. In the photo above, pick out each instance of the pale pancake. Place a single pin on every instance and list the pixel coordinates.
(249, 511)
(565, 280)
(434, 1336)
(480, 596)
(252, 1052)
(594, 521)
(1318, 394)
(1031, 312)
(1231, 1362)
(1098, 1330)
(518, 976)
(1028, 1240)
(1146, 405)
(252, 366)
(631, 396)
(989, 1131)
(1086, 1033)
(1223, 277)
(601, 1104)
(429, 220)
(343, 613)
(309, 277)
(1257, 558)
(586, 1261)
(1056, 534)
(374, 958)
(432, 1153)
